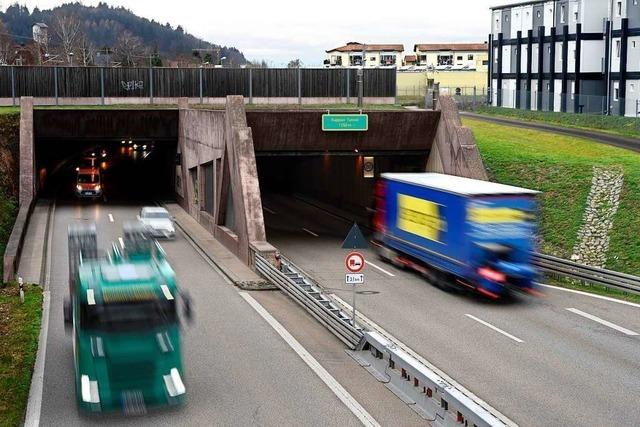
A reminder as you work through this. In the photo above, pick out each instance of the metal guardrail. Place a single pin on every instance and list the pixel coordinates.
(295, 283)
(422, 389)
(599, 276)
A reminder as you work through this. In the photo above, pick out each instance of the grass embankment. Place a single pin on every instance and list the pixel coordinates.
(562, 168)
(9, 131)
(19, 331)
(624, 126)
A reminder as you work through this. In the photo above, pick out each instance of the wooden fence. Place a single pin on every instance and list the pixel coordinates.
(96, 82)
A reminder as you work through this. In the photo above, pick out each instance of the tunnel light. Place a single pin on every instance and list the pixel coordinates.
(356, 150)
(123, 141)
(93, 154)
(130, 142)
(77, 169)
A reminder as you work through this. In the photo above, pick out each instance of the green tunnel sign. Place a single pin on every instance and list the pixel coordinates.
(345, 122)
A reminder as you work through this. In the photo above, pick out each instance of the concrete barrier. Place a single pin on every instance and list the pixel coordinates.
(13, 251)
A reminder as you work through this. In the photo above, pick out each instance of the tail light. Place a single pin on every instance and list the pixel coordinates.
(492, 275)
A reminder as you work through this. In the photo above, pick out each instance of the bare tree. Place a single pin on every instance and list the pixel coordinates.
(67, 29)
(86, 50)
(129, 49)
(6, 45)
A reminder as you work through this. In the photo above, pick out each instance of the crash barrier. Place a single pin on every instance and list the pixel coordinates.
(296, 284)
(599, 276)
(426, 392)
(13, 251)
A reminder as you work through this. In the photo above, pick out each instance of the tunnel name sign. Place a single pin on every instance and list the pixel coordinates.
(345, 122)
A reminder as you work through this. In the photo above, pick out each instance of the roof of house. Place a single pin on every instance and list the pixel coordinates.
(436, 47)
(41, 25)
(357, 47)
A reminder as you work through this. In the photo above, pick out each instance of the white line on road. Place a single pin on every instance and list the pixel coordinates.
(370, 324)
(489, 325)
(272, 212)
(34, 404)
(121, 242)
(342, 394)
(573, 291)
(380, 268)
(602, 321)
(110, 218)
(310, 232)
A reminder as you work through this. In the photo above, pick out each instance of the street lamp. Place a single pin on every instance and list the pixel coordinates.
(222, 59)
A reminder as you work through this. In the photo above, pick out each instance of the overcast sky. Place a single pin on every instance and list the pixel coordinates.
(280, 30)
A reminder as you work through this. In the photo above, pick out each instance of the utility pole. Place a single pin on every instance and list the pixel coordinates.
(361, 77)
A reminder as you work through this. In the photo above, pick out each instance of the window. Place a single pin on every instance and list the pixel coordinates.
(549, 49)
(497, 24)
(575, 16)
(548, 87)
(506, 18)
(539, 14)
(618, 48)
(485, 62)
(619, 8)
(616, 91)
(562, 12)
(632, 87)
(459, 58)
(470, 57)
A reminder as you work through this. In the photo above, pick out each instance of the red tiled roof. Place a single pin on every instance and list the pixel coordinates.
(357, 47)
(461, 47)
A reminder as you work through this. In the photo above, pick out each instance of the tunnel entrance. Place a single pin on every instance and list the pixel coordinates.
(132, 154)
(325, 193)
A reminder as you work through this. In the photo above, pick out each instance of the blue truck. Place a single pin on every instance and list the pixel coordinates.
(459, 233)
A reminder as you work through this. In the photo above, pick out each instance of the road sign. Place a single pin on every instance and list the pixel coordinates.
(345, 122)
(354, 262)
(355, 239)
(354, 279)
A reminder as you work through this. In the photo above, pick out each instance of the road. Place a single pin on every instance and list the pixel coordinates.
(533, 359)
(238, 370)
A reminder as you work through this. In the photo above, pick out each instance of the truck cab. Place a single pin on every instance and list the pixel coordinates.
(88, 183)
(124, 313)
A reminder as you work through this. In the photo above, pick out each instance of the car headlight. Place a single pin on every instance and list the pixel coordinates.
(98, 187)
(173, 383)
(89, 390)
(79, 187)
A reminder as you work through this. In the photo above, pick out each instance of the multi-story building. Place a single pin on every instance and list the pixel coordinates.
(375, 55)
(460, 56)
(566, 55)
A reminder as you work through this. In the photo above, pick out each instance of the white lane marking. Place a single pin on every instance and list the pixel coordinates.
(269, 210)
(489, 325)
(342, 394)
(364, 320)
(310, 232)
(110, 218)
(602, 297)
(602, 321)
(379, 268)
(121, 242)
(34, 403)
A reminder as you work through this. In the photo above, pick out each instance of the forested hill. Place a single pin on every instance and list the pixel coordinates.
(103, 25)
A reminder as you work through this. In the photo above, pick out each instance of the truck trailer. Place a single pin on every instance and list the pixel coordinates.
(459, 233)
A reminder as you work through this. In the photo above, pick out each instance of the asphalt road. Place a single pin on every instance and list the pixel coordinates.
(238, 371)
(533, 359)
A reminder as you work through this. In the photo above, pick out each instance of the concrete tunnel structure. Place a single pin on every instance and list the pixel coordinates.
(226, 158)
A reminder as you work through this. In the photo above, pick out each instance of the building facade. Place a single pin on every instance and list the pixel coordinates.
(566, 55)
(375, 55)
(456, 56)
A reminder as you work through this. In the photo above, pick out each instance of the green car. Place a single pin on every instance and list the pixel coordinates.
(123, 312)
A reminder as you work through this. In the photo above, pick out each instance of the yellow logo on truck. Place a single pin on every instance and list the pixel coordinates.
(420, 217)
(497, 215)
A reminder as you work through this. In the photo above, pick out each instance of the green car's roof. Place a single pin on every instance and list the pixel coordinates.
(104, 281)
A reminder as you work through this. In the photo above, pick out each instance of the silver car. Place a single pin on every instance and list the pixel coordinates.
(158, 221)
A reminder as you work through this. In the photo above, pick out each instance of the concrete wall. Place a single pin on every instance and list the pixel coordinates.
(454, 150)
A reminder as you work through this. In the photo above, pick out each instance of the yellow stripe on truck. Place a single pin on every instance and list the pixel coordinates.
(420, 217)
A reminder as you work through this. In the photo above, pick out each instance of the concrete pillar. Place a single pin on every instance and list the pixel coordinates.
(183, 103)
(27, 164)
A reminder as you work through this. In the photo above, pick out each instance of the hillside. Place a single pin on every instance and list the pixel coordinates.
(104, 26)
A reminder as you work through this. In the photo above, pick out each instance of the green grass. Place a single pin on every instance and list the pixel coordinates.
(8, 211)
(19, 330)
(9, 110)
(561, 167)
(624, 126)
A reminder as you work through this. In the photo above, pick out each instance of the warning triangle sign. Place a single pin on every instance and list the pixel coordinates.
(355, 239)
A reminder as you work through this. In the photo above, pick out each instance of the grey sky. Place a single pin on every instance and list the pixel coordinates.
(280, 30)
